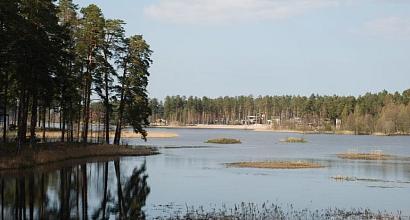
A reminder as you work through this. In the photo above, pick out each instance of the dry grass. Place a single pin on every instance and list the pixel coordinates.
(276, 165)
(223, 141)
(247, 210)
(294, 140)
(57, 152)
(373, 155)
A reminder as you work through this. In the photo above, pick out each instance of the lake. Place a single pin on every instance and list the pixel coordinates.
(189, 172)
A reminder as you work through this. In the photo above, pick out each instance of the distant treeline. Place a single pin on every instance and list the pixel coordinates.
(381, 112)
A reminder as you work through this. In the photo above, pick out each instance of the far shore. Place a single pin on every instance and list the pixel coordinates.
(267, 128)
(44, 154)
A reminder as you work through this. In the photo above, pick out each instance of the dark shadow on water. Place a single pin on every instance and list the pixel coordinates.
(85, 191)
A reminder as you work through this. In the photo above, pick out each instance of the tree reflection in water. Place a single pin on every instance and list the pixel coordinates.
(65, 194)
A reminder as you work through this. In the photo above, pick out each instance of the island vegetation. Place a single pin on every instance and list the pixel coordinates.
(373, 155)
(69, 71)
(276, 165)
(223, 141)
(295, 140)
(372, 113)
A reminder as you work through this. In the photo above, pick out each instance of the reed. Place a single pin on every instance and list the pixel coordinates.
(276, 165)
(294, 140)
(223, 141)
(373, 155)
(272, 211)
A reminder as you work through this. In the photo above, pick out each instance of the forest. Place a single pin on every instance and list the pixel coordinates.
(57, 58)
(383, 112)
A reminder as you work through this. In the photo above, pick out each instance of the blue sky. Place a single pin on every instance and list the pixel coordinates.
(270, 47)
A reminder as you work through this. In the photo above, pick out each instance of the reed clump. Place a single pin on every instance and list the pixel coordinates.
(373, 155)
(224, 141)
(268, 210)
(276, 165)
(295, 140)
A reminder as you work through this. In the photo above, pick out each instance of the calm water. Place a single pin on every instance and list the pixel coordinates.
(182, 175)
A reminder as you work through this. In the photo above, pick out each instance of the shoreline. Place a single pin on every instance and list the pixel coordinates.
(125, 134)
(265, 128)
(64, 153)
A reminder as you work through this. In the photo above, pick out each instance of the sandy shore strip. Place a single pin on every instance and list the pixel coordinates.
(124, 134)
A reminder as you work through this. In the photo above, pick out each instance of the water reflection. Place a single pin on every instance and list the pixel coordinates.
(86, 191)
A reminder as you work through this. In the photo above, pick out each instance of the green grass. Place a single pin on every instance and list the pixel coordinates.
(223, 141)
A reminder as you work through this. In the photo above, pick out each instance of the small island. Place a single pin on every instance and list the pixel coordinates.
(276, 165)
(294, 140)
(223, 141)
(373, 155)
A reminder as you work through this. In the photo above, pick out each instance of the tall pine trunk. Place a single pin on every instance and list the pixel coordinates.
(107, 110)
(117, 137)
(87, 101)
(5, 110)
(33, 122)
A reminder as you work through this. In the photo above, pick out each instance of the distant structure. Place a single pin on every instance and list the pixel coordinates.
(254, 119)
(251, 119)
(338, 123)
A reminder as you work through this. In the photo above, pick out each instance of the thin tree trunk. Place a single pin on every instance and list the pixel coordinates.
(49, 116)
(117, 137)
(107, 111)
(22, 119)
(87, 101)
(33, 122)
(63, 129)
(44, 124)
(5, 110)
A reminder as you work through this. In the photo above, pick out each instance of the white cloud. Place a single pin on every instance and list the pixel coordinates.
(391, 27)
(230, 11)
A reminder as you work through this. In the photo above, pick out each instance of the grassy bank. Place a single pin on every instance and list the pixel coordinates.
(223, 141)
(276, 165)
(56, 152)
